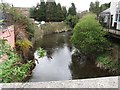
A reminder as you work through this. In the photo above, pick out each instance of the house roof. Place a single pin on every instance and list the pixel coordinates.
(107, 11)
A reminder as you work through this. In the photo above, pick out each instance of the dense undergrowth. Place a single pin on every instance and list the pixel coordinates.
(11, 69)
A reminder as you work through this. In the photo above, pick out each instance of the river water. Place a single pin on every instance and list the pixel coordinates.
(59, 64)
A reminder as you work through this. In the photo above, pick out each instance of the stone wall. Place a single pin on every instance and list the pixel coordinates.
(8, 35)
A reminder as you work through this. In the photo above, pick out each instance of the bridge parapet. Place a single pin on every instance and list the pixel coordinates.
(105, 82)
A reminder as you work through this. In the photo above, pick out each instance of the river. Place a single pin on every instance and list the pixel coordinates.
(59, 64)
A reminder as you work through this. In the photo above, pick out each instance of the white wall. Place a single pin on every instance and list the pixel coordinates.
(113, 8)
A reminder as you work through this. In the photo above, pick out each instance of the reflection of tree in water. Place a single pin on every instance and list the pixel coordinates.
(53, 40)
(83, 68)
(49, 53)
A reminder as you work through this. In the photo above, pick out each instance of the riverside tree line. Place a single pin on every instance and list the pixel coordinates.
(51, 11)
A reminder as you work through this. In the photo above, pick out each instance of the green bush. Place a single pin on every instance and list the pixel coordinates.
(72, 20)
(88, 36)
(41, 52)
(4, 48)
(23, 44)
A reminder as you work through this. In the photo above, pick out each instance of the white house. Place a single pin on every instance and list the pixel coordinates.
(115, 14)
(112, 15)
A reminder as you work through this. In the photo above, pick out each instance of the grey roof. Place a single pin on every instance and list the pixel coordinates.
(107, 11)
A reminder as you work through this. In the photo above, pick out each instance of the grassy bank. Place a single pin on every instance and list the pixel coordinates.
(54, 27)
(107, 62)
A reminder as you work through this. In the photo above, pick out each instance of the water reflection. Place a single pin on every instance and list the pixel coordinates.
(60, 64)
(82, 68)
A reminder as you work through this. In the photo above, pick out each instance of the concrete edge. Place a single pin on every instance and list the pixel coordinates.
(105, 82)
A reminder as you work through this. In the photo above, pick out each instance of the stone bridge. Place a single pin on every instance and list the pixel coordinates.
(105, 82)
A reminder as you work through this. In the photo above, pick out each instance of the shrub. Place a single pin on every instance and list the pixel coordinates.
(72, 20)
(88, 36)
(41, 52)
(23, 44)
(12, 70)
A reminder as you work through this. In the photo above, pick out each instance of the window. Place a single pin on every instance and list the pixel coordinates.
(119, 18)
(116, 17)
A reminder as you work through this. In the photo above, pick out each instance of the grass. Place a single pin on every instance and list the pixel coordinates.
(108, 62)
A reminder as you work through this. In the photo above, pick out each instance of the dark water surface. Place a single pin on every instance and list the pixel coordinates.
(59, 64)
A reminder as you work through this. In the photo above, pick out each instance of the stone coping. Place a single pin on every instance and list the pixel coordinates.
(105, 82)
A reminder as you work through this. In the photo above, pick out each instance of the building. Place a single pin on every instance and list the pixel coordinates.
(111, 16)
(7, 30)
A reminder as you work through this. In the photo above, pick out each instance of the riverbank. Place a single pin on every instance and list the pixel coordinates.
(20, 62)
(111, 60)
(54, 27)
(50, 28)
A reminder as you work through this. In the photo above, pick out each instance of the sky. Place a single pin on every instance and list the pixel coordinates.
(81, 5)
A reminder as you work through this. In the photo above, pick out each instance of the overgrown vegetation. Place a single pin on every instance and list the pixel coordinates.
(88, 36)
(16, 67)
(18, 18)
(41, 52)
(72, 20)
(12, 70)
(107, 62)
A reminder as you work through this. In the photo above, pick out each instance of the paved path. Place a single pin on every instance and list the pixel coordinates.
(106, 82)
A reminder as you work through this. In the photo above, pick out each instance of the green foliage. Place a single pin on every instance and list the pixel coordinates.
(39, 12)
(72, 10)
(88, 36)
(17, 17)
(108, 62)
(72, 20)
(23, 44)
(41, 52)
(96, 8)
(12, 70)
(4, 48)
(60, 14)
(64, 12)
(50, 11)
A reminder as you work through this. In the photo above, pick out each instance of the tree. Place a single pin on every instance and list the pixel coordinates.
(59, 14)
(88, 36)
(33, 12)
(72, 10)
(64, 12)
(42, 11)
(95, 7)
(72, 20)
(51, 10)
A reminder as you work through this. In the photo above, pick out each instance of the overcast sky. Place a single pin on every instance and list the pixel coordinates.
(80, 4)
